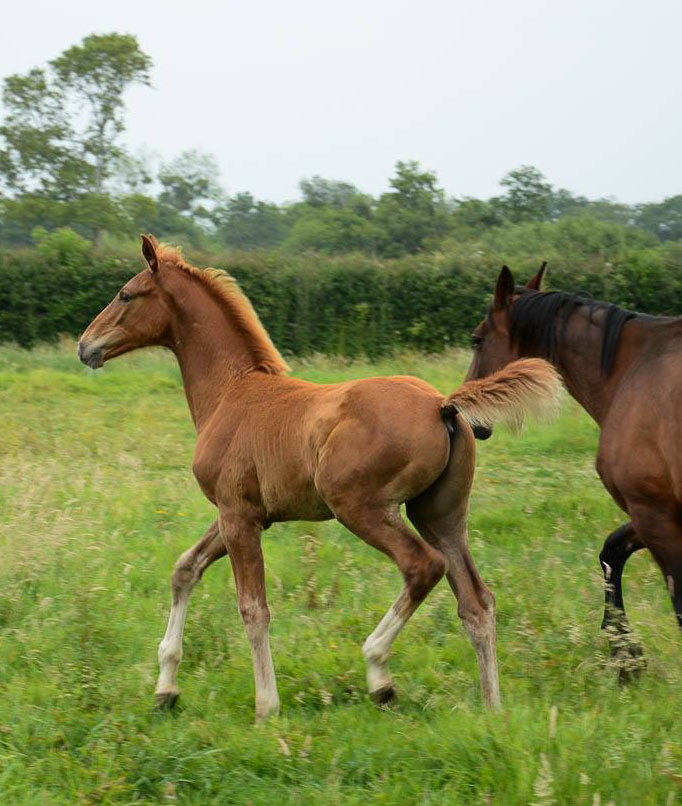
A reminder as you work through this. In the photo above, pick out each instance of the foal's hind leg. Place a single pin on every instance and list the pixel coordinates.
(618, 547)
(421, 566)
(187, 572)
(440, 515)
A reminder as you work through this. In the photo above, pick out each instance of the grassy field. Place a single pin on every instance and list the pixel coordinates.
(96, 502)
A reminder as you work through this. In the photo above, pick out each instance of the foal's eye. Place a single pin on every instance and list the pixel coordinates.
(476, 341)
(124, 296)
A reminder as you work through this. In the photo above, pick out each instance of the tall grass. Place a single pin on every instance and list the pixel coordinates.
(97, 501)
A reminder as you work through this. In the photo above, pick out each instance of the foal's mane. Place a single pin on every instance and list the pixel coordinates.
(539, 319)
(225, 288)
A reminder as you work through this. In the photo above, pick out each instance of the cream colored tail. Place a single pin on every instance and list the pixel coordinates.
(529, 386)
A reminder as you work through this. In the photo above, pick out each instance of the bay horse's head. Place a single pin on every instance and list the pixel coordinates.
(138, 316)
(491, 339)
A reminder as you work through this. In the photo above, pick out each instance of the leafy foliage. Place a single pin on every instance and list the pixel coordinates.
(54, 158)
(189, 182)
(663, 220)
(414, 215)
(244, 223)
(352, 304)
(528, 195)
(97, 72)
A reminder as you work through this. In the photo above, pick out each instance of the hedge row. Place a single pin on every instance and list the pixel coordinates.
(346, 305)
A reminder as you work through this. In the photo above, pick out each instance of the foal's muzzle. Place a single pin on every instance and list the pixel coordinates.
(92, 356)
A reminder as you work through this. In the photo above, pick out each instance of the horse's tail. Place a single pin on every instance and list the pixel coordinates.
(530, 386)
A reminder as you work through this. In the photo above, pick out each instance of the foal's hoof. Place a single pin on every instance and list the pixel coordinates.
(166, 700)
(267, 708)
(262, 717)
(383, 695)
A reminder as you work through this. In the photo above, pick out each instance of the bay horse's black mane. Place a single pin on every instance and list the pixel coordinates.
(538, 320)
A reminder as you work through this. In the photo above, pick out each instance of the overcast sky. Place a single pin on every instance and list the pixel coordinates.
(589, 91)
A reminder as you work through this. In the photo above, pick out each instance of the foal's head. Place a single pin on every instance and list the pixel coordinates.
(138, 316)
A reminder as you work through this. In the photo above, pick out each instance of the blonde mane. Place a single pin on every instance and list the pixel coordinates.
(225, 288)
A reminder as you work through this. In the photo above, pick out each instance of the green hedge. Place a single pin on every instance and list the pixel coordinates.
(348, 305)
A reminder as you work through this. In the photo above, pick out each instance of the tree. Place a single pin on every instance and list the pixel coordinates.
(97, 72)
(471, 217)
(38, 153)
(132, 173)
(528, 196)
(319, 192)
(563, 202)
(59, 141)
(332, 230)
(245, 223)
(414, 215)
(663, 219)
(190, 182)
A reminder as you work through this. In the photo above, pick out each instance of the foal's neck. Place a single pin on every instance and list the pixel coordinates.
(212, 353)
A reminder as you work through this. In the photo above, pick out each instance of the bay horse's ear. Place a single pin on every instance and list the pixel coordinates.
(149, 252)
(504, 288)
(535, 283)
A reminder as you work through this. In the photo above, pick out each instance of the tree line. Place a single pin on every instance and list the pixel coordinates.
(62, 165)
(336, 271)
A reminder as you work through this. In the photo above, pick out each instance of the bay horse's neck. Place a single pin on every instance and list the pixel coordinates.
(578, 359)
(212, 352)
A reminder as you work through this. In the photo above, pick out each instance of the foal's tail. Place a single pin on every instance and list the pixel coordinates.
(530, 386)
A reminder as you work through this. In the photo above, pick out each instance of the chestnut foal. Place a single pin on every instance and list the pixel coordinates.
(272, 448)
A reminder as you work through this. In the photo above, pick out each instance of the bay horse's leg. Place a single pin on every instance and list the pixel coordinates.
(660, 530)
(440, 515)
(618, 547)
(242, 538)
(421, 566)
(187, 572)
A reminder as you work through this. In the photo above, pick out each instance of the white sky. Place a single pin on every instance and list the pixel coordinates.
(589, 91)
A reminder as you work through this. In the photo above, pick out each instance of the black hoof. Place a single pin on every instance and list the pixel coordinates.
(382, 696)
(627, 675)
(628, 657)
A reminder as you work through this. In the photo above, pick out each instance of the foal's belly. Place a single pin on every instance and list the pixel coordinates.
(303, 503)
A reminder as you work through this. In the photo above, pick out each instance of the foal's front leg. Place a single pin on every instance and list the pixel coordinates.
(242, 536)
(187, 572)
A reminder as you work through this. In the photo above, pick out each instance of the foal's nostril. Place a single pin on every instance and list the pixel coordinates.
(91, 357)
(83, 353)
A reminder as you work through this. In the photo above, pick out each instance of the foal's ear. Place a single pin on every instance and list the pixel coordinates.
(535, 283)
(149, 252)
(504, 289)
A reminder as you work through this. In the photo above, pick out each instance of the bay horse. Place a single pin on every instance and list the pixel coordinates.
(624, 369)
(273, 448)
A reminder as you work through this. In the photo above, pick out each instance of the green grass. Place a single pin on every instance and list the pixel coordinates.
(97, 500)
